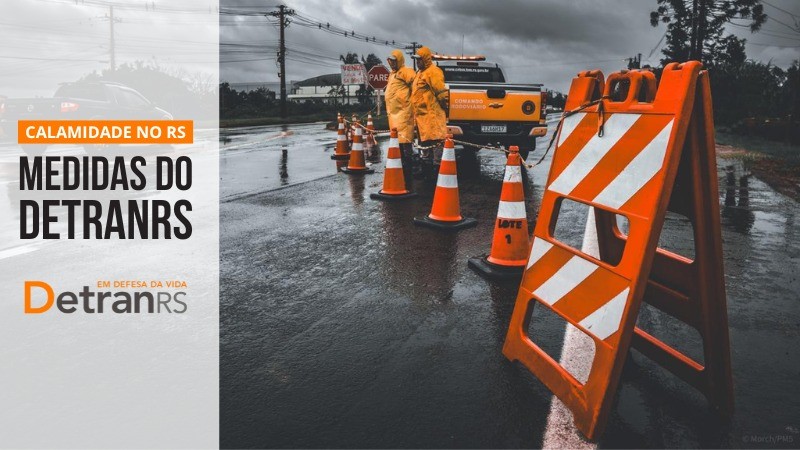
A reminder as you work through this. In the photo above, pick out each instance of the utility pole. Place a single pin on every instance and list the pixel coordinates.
(635, 62)
(283, 22)
(413, 47)
(112, 57)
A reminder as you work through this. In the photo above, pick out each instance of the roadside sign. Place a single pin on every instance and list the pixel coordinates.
(353, 74)
(378, 77)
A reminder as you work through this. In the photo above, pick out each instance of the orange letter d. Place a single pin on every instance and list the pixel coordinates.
(50, 297)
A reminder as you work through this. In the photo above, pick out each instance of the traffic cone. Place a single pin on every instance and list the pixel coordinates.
(356, 164)
(510, 244)
(394, 182)
(342, 152)
(352, 130)
(370, 131)
(446, 212)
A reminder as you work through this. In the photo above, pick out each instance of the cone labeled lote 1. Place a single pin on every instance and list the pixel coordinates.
(510, 243)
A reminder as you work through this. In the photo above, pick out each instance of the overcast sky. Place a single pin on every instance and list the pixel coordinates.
(45, 42)
(543, 41)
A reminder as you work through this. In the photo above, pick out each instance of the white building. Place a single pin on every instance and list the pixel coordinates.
(320, 88)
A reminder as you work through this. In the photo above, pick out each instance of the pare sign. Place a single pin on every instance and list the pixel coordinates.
(378, 77)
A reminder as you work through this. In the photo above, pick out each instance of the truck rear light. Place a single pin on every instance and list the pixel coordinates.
(538, 131)
(454, 130)
(544, 101)
(69, 107)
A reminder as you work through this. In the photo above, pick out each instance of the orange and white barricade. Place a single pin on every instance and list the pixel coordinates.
(637, 157)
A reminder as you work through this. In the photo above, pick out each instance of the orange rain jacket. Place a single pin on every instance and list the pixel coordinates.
(398, 99)
(427, 95)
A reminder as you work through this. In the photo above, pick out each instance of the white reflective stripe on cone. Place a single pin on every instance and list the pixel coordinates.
(513, 175)
(358, 147)
(341, 126)
(448, 181)
(358, 131)
(393, 142)
(449, 154)
(393, 163)
(341, 137)
(511, 210)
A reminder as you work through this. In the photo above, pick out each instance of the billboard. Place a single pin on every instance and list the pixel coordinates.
(353, 74)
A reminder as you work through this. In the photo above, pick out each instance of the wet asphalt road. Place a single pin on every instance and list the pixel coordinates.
(344, 325)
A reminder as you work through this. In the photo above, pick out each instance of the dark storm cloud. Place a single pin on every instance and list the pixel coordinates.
(545, 41)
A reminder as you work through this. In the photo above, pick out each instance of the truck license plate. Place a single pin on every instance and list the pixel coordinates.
(494, 128)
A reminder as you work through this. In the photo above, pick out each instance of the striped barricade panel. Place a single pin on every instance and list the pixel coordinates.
(622, 157)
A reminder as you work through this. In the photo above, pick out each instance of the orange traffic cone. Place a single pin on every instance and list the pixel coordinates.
(351, 132)
(394, 182)
(356, 164)
(511, 244)
(342, 152)
(446, 211)
(370, 131)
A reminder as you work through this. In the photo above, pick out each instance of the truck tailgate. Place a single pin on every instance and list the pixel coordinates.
(493, 103)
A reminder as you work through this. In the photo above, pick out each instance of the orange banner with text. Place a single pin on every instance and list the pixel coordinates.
(105, 132)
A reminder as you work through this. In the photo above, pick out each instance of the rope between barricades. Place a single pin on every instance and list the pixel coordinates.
(564, 115)
(600, 123)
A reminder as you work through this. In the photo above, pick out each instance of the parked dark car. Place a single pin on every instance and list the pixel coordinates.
(93, 100)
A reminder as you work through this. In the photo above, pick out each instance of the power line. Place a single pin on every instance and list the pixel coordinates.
(795, 28)
(779, 9)
(773, 45)
(32, 58)
(564, 63)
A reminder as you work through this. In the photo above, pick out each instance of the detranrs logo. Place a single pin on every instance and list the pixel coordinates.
(40, 297)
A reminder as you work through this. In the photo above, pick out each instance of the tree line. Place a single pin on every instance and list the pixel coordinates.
(747, 94)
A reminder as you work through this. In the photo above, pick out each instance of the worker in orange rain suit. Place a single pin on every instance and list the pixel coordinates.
(398, 105)
(430, 96)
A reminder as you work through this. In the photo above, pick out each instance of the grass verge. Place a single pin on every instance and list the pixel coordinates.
(775, 163)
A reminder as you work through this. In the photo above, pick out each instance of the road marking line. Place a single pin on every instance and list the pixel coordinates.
(560, 431)
(20, 250)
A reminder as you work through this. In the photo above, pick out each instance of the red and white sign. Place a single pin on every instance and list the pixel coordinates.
(353, 74)
(378, 77)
